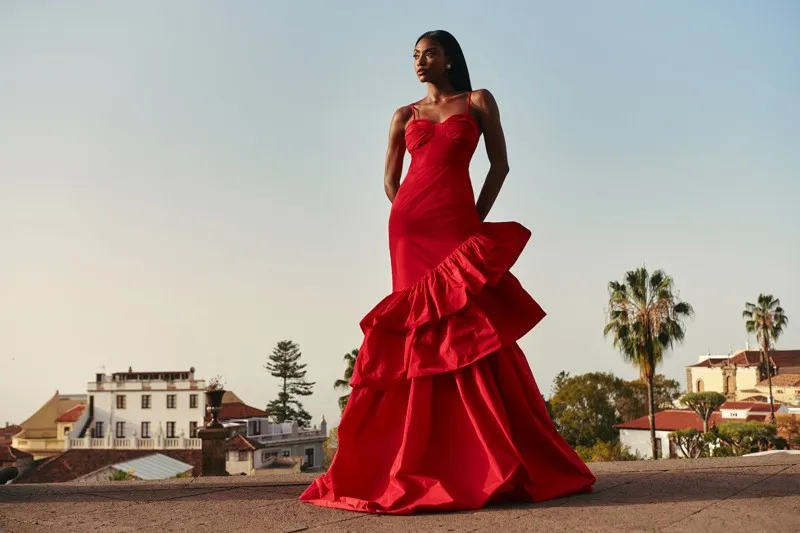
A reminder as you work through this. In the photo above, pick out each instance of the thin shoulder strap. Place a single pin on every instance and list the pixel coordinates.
(469, 101)
(413, 111)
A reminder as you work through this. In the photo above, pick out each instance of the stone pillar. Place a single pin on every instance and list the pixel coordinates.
(214, 451)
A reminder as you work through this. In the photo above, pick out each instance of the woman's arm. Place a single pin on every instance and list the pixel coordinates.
(489, 118)
(396, 152)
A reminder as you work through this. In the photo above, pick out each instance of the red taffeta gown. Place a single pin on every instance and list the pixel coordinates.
(445, 413)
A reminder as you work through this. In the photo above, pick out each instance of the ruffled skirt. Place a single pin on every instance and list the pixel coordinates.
(445, 413)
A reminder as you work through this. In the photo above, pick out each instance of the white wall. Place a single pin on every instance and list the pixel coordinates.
(158, 414)
(236, 467)
(638, 440)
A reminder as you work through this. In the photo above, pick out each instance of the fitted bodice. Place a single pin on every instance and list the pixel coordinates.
(434, 209)
(451, 142)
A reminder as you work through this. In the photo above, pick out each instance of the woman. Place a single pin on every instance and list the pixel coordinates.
(445, 413)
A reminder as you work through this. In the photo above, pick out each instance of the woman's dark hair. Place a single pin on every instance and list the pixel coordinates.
(458, 73)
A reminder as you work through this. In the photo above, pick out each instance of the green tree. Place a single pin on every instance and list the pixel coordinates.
(605, 452)
(690, 441)
(704, 404)
(344, 383)
(645, 318)
(745, 437)
(329, 447)
(284, 364)
(583, 407)
(631, 399)
(767, 320)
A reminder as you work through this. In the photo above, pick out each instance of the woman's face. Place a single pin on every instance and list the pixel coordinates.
(429, 61)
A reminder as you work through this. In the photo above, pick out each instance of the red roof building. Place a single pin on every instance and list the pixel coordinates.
(72, 415)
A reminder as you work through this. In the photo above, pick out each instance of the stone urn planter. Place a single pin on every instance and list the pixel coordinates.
(214, 393)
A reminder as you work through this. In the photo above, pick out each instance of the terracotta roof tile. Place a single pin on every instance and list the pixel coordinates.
(746, 358)
(73, 464)
(786, 358)
(677, 419)
(240, 443)
(709, 362)
(7, 433)
(752, 406)
(9, 454)
(240, 410)
(783, 380)
(670, 420)
(72, 415)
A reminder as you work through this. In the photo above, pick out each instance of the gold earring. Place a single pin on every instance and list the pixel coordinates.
(448, 66)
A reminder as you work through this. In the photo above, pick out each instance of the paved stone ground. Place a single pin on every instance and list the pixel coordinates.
(725, 495)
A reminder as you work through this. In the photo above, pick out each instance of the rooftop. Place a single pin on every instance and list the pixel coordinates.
(781, 358)
(73, 414)
(10, 454)
(681, 496)
(153, 466)
(76, 463)
(677, 419)
(232, 410)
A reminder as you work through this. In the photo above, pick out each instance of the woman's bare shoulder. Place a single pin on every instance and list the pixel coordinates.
(483, 98)
(401, 117)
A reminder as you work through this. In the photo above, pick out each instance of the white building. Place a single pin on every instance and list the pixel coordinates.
(147, 409)
(267, 445)
(635, 434)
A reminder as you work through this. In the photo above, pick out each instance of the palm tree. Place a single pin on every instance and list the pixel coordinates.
(646, 317)
(767, 320)
(344, 383)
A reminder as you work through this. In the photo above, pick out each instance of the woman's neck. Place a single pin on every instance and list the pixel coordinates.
(439, 92)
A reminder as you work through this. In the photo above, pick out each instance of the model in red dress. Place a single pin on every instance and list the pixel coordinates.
(444, 413)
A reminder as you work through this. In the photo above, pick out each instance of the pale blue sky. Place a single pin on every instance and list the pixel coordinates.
(185, 183)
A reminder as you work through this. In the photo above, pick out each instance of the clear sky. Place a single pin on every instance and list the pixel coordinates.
(186, 183)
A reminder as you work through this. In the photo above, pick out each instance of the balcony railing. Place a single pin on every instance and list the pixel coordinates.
(134, 443)
(282, 437)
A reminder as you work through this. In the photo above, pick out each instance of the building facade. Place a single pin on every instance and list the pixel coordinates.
(741, 375)
(268, 445)
(635, 434)
(42, 435)
(149, 406)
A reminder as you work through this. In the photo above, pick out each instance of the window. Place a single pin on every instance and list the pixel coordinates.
(286, 453)
(309, 456)
(192, 430)
(255, 427)
(193, 401)
(66, 430)
(266, 455)
(120, 430)
(700, 385)
(98, 431)
(170, 430)
(121, 401)
(145, 430)
(243, 456)
(146, 401)
(172, 401)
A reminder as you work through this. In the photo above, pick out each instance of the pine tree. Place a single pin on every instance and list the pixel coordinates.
(284, 364)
